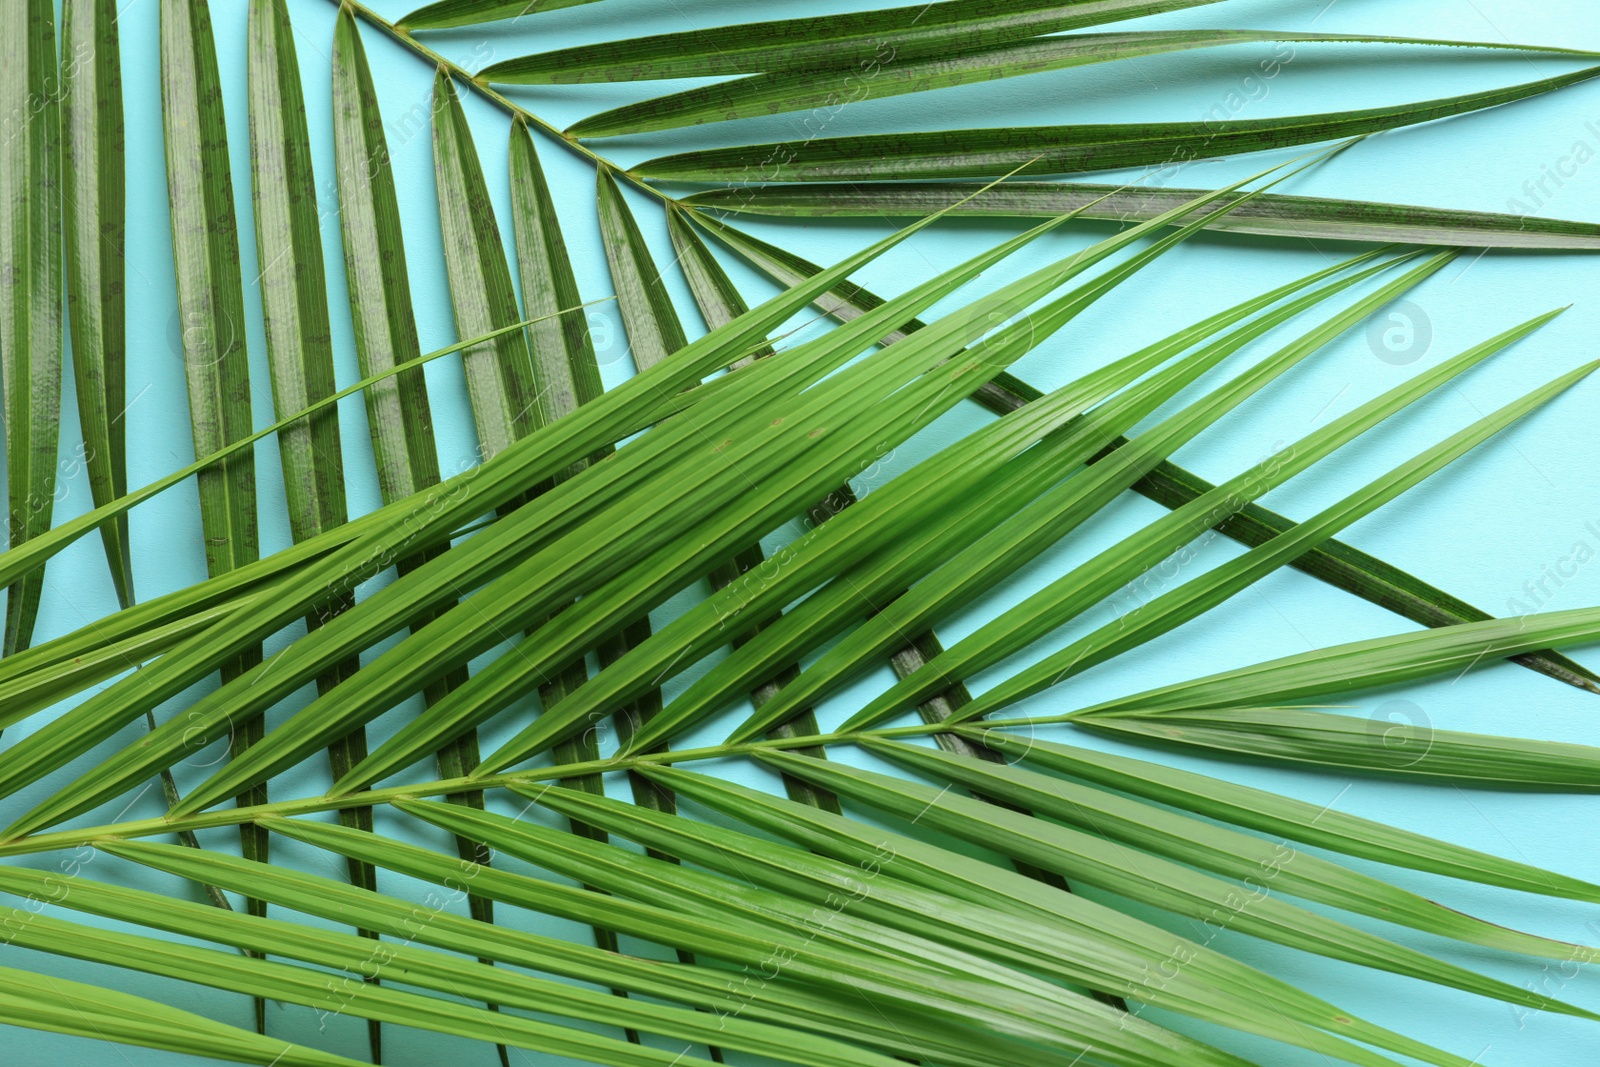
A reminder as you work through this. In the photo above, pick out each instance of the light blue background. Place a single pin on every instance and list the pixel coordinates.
(1501, 518)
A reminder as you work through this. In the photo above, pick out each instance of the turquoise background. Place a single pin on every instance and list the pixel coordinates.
(1488, 529)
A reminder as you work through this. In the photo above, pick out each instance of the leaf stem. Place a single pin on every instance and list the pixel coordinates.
(34, 843)
(498, 98)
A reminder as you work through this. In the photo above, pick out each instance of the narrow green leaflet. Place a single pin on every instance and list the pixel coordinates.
(1280, 816)
(1271, 214)
(867, 40)
(1354, 571)
(771, 94)
(447, 13)
(718, 299)
(30, 288)
(563, 353)
(96, 220)
(654, 331)
(1058, 149)
(1202, 844)
(40, 1002)
(1389, 749)
(205, 243)
(500, 384)
(1368, 664)
(1093, 860)
(294, 299)
(398, 416)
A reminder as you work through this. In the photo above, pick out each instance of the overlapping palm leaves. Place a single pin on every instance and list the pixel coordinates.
(801, 933)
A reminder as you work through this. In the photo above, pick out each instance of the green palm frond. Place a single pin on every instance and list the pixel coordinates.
(683, 581)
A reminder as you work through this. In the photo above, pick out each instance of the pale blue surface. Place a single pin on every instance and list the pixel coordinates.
(1500, 519)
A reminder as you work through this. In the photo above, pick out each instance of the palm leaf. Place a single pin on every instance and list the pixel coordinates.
(934, 923)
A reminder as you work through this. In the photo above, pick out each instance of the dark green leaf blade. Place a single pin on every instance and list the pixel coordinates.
(398, 415)
(505, 403)
(96, 216)
(294, 301)
(206, 258)
(814, 42)
(652, 324)
(30, 289)
(1270, 214)
(1058, 149)
(563, 352)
